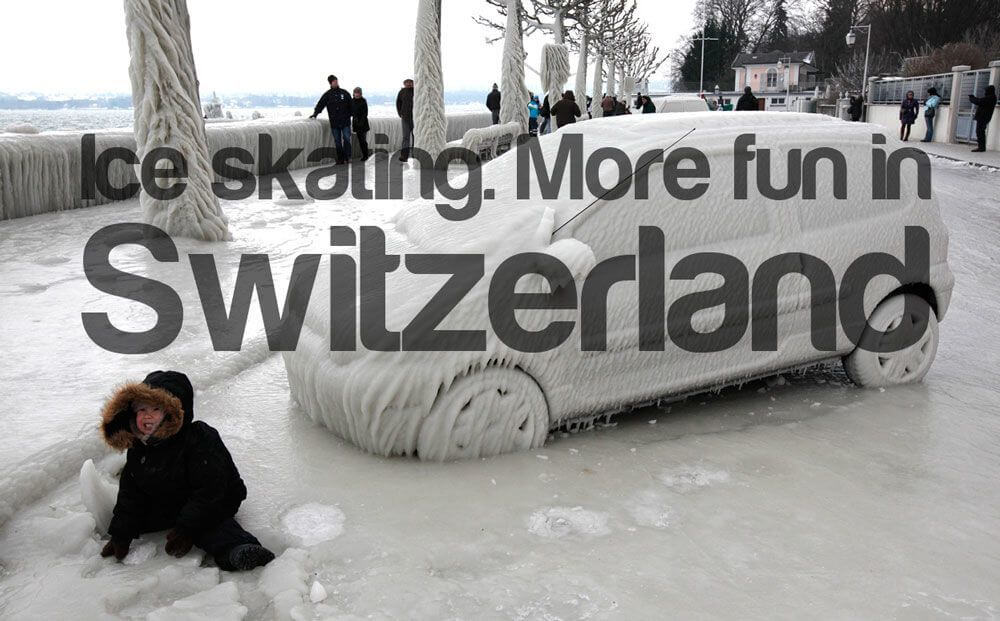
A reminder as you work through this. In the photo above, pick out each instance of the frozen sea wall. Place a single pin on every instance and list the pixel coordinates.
(42, 173)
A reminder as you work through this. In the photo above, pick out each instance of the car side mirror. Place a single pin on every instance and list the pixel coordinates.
(577, 256)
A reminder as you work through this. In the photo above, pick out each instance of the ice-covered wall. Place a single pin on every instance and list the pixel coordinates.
(41, 173)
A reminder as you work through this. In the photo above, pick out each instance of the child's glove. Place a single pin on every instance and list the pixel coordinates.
(179, 543)
(117, 548)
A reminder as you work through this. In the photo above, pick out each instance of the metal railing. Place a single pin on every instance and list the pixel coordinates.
(893, 90)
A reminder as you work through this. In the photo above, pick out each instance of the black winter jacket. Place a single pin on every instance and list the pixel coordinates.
(985, 105)
(747, 103)
(404, 104)
(566, 111)
(183, 477)
(359, 115)
(337, 102)
(493, 100)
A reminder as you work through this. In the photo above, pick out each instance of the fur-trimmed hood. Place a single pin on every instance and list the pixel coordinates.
(169, 390)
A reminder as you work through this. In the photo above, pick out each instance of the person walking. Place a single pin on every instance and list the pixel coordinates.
(647, 105)
(404, 108)
(907, 115)
(930, 111)
(855, 108)
(621, 109)
(747, 102)
(337, 103)
(532, 114)
(359, 121)
(985, 106)
(493, 103)
(566, 110)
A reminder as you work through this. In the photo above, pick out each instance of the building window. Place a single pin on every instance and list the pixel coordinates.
(777, 101)
(772, 77)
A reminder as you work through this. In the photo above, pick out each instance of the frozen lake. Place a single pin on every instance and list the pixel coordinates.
(796, 498)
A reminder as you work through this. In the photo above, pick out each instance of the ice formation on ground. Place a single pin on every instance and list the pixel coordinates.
(98, 495)
(168, 114)
(649, 509)
(555, 71)
(314, 523)
(514, 102)
(430, 133)
(559, 522)
(684, 479)
(220, 603)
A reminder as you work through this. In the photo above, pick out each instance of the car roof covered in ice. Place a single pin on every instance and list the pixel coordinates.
(523, 224)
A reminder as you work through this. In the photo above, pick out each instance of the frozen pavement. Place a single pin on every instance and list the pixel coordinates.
(786, 499)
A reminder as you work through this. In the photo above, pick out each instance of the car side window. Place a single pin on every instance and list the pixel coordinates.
(713, 219)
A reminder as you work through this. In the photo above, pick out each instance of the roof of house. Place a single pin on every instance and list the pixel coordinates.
(770, 58)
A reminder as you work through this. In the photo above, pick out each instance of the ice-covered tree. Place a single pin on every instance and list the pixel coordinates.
(514, 102)
(431, 126)
(168, 114)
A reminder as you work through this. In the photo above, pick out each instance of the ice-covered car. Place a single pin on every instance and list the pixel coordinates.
(680, 103)
(446, 405)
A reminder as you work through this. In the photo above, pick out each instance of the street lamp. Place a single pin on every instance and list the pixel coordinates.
(703, 38)
(851, 38)
(784, 62)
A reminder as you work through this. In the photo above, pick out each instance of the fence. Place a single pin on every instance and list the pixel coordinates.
(893, 90)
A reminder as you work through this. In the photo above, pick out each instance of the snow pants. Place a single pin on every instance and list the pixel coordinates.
(220, 540)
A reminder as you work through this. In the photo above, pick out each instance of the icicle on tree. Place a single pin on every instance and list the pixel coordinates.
(514, 102)
(168, 114)
(431, 126)
(611, 74)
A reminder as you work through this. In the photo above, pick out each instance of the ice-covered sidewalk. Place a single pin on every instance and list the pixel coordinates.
(961, 153)
(807, 496)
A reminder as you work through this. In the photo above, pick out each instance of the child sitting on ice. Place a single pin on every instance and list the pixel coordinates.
(178, 475)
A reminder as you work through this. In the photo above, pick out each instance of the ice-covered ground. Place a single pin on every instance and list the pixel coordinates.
(786, 499)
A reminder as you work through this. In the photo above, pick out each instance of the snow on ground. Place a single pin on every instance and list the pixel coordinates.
(791, 499)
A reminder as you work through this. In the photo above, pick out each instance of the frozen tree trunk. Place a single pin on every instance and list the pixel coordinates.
(514, 102)
(597, 95)
(555, 72)
(628, 86)
(611, 77)
(168, 114)
(430, 131)
(581, 72)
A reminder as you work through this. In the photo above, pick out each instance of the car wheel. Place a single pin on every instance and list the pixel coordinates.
(489, 412)
(908, 365)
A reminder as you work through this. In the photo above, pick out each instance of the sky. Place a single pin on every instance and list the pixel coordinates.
(76, 47)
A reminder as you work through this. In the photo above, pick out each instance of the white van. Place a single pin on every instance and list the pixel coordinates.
(447, 405)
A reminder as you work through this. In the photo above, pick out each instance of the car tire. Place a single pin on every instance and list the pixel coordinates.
(492, 411)
(909, 365)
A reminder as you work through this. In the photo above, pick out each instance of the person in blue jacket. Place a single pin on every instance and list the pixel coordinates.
(930, 111)
(533, 108)
(337, 103)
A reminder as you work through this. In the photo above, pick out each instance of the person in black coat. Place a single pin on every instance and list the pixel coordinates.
(359, 121)
(747, 102)
(907, 115)
(178, 475)
(566, 110)
(337, 102)
(404, 108)
(984, 114)
(546, 114)
(493, 103)
(856, 107)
